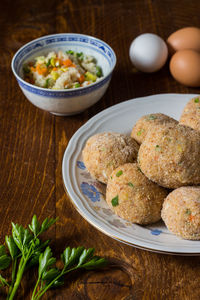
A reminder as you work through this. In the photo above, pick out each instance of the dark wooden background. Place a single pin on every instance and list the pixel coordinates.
(32, 143)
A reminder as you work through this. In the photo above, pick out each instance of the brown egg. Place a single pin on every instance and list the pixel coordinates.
(185, 38)
(185, 67)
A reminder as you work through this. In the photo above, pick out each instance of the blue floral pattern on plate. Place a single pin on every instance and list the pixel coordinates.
(90, 191)
(156, 232)
(80, 165)
(95, 191)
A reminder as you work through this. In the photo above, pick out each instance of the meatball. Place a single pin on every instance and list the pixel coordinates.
(145, 123)
(106, 151)
(170, 156)
(132, 196)
(181, 212)
(191, 114)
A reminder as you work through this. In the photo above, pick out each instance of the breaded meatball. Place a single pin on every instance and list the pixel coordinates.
(181, 212)
(106, 151)
(191, 114)
(145, 123)
(132, 196)
(170, 156)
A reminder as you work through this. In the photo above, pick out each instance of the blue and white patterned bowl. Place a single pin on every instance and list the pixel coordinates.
(65, 102)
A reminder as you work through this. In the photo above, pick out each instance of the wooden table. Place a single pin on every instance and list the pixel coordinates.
(32, 143)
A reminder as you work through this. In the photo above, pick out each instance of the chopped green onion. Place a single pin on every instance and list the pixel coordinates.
(140, 132)
(130, 184)
(77, 85)
(98, 71)
(111, 177)
(188, 211)
(70, 52)
(47, 83)
(119, 173)
(157, 148)
(196, 100)
(79, 54)
(115, 201)
(152, 117)
(48, 63)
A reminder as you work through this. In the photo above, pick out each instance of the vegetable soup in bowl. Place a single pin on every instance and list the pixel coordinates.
(64, 73)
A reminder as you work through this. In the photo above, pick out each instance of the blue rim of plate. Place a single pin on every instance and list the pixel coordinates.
(45, 42)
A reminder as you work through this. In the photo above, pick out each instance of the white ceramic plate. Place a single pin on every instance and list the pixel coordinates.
(87, 194)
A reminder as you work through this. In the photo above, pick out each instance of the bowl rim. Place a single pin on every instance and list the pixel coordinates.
(62, 90)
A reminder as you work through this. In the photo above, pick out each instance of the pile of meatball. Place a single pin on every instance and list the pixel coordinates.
(155, 172)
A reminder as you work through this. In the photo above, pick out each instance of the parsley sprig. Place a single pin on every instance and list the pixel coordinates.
(26, 250)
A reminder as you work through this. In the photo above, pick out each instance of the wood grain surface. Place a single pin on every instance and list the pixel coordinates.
(32, 143)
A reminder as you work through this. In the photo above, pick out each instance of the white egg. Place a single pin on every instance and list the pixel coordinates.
(148, 52)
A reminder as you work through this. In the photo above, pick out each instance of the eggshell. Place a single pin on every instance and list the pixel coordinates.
(185, 67)
(185, 38)
(148, 52)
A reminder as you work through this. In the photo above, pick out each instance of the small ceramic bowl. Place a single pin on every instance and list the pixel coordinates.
(72, 101)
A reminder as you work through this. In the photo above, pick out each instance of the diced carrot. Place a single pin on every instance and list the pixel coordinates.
(191, 218)
(73, 65)
(54, 69)
(67, 62)
(37, 67)
(41, 71)
(81, 79)
(33, 69)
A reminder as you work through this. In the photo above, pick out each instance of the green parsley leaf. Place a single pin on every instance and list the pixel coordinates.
(12, 247)
(115, 201)
(196, 100)
(4, 261)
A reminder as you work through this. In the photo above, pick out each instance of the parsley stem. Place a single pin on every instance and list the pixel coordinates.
(20, 272)
(18, 278)
(43, 290)
(3, 281)
(14, 266)
(35, 288)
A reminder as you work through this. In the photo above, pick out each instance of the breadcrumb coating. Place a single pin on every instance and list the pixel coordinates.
(104, 152)
(170, 156)
(132, 196)
(181, 212)
(191, 114)
(145, 123)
